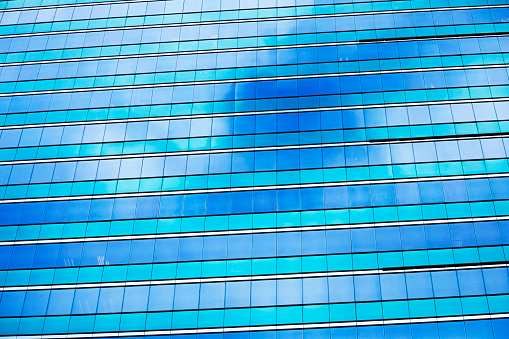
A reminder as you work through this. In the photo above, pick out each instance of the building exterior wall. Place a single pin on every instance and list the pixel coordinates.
(254, 169)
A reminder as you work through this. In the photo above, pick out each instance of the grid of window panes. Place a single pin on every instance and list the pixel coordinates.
(254, 169)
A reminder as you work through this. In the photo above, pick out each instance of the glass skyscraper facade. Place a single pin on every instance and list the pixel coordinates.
(254, 169)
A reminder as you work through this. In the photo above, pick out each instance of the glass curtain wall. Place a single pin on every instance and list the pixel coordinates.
(254, 169)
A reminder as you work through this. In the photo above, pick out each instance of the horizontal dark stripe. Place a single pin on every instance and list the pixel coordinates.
(435, 37)
(441, 137)
(452, 266)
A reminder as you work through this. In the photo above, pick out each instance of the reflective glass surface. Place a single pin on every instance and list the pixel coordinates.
(254, 169)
